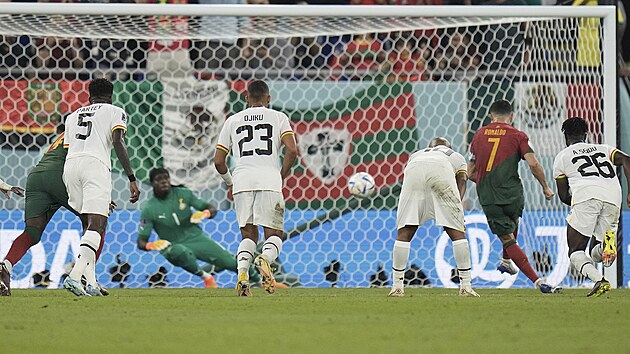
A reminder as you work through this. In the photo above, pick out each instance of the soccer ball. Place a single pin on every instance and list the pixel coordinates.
(362, 185)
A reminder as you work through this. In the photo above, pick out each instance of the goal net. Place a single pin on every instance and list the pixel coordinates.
(364, 88)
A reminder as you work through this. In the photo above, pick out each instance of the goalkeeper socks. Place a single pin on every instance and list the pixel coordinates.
(399, 262)
(597, 252)
(87, 254)
(519, 258)
(271, 248)
(462, 260)
(19, 248)
(585, 266)
(245, 255)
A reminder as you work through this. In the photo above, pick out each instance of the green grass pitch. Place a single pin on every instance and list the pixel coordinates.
(315, 321)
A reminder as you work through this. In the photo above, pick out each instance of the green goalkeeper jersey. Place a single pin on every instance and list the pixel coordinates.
(170, 217)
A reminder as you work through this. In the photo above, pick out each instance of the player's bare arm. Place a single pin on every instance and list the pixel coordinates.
(461, 179)
(290, 154)
(621, 159)
(118, 141)
(472, 171)
(564, 193)
(539, 174)
(220, 163)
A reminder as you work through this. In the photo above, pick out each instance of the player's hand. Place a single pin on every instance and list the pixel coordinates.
(197, 217)
(158, 245)
(112, 206)
(230, 196)
(548, 193)
(135, 192)
(17, 190)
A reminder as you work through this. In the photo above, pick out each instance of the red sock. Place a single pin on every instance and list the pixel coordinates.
(19, 247)
(517, 255)
(100, 247)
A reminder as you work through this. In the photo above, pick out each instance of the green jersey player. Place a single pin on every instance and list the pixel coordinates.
(181, 241)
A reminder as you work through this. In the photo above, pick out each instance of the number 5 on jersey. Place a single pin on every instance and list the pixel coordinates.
(84, 123)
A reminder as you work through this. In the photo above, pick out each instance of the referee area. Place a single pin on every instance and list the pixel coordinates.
(314, 320)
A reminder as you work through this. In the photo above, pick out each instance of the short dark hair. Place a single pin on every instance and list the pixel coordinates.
(575, 127)
(101, 88)
(257, 90)
(156, 172)
(501, 108)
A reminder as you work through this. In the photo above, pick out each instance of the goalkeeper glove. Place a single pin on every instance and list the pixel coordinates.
(158, 245)
(197, 217)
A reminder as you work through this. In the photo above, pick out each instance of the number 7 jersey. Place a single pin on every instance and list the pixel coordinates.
(590, 172)
(89, 131)
(255, 138)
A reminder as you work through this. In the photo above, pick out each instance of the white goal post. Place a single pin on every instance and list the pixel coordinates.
(364, 87)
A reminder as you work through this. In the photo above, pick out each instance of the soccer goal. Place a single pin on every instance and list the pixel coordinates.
(364, 88)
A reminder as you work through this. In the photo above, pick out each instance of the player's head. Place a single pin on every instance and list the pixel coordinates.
(501, 111)
(101, 91)
(439, 140)
(160, 181)
(575, 130)
(258, 94)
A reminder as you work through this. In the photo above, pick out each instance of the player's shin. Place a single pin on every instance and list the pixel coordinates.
(87, 254)
(271, 248)
(519, 258)
(461, 251)
(399, 262)
(585, 266)
(245, 255)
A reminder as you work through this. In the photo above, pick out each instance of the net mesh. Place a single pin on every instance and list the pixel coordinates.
(362, 95)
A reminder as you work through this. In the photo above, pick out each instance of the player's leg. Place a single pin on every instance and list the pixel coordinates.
(182, 255)
(244, 207)
(606, 233)
(209, 251)
(506, 265)
(269, 213)
(400, 257)
(461, 253)
(580, 261)
(88, 248)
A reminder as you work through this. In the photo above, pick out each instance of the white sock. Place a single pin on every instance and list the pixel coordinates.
(399, 262)
(462, 260)
(90, 273)
(206, 275)
(597, 252)
(87, 254)
(245, 255)
(585, 266)
(271, 248)
(8, 266)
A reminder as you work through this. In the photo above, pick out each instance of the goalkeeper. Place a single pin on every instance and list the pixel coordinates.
(182, 242)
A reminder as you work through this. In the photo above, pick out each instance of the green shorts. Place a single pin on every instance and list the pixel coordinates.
(503, 218)
(45, 194)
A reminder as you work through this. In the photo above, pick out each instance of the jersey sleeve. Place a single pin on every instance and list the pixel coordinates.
(225, 141)
(119, 120)
(524, 146)
(459, 163)
(473, 148)
(558, 168)
(285, 126)
(612, 151)
(146, 224)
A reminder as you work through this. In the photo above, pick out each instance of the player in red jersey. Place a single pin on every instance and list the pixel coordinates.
(496, 150)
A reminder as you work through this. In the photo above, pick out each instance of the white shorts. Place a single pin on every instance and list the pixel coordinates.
(429, 191)
(89, 185)
(594, 217)
(260, 208)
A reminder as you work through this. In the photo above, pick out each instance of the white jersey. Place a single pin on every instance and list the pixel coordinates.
(89, 131)
(456, 160)
(254, 136)
(590, 171)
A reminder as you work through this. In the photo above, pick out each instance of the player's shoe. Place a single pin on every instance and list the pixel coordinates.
(210, 283)
(609, 253)
(242, 286)
(74, 287)
(506, 266)
(104, 291)
(467, 291)
(5, 281)
(600, 288)
(396, 292)
(546, 288)
(92, 290)
(268, 281)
